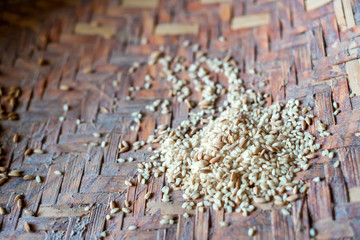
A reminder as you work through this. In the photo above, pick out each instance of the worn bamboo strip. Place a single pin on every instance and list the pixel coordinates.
(353, 71)
(176, 29)
(213, 1)
(149, 4)
(250, 21)
(313, 4)
(89, 29)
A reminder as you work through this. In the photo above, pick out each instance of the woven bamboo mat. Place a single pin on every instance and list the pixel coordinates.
(70, 52)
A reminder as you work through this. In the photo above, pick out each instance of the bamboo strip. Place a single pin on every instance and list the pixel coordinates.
(87, 29)
(176, 29)
(313, 4)
(140, 3)
(354, 194)
(353, 71)
(250, 21)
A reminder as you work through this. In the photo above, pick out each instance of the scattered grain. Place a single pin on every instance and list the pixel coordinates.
(42, 61)
(311, 156)
(312, 232)
(19, 203)
(164, 221)
(317, 179)
(124, 149)
(38, 151)
(115, 210)
(88, 70)
(128, 183)
(224, 224)
(251, 232)
(38, 179)
(28, 177)
(112, 205)
(14, 173)
(16, 138)
(132, 227)
(28, 152)
(65, 107)
(17, 197)
(64, 87)
(285, 212)
(126, 210)
(29, 213)
(27, 227)
(292, 198)
(2, 211)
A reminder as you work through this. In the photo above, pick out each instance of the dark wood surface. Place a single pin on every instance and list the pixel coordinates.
(307, 50)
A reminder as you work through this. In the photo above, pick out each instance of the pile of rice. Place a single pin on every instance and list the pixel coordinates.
(235, 155)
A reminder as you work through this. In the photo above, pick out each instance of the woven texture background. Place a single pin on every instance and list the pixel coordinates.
(304, 49)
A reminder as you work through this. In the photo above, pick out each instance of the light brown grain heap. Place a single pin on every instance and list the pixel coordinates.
(235, 155)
